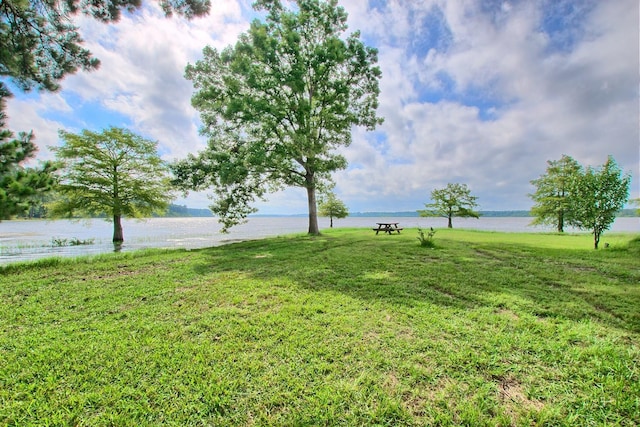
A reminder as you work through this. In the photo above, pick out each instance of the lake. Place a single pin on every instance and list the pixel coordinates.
(33, 239)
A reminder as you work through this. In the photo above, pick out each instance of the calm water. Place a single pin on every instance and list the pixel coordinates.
(29, 240)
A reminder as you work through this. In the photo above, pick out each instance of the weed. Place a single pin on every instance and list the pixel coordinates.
(426, 241)
(57, 242)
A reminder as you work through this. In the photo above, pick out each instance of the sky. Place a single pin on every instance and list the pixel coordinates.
(477, 92)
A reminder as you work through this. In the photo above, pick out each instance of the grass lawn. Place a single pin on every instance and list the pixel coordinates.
(348, 328)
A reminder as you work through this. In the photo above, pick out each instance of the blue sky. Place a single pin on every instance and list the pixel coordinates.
(479, 92)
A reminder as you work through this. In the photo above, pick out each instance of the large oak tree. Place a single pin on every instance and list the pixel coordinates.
(114, 173)
(277, 105)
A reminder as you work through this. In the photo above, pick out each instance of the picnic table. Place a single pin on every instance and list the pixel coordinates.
(387, 227)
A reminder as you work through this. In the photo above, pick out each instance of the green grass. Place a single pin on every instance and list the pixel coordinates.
(348, 328)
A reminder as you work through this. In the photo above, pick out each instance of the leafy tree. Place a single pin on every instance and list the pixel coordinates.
(276, 106)
(114, 173)
(20, 186)
(453, 200)
(332, 207)
(552, 192)
(596, 196)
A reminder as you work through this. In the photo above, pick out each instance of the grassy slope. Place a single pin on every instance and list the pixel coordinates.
(345, 329)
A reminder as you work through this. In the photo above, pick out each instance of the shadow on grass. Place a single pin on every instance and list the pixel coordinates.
(547, 283)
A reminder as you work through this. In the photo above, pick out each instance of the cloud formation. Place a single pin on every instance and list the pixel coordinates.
(499, 92)
(475, 92)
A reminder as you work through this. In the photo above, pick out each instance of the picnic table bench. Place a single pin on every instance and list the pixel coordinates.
(387, 227)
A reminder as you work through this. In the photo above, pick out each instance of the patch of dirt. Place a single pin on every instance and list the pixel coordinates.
(514, 398)
(391, 383)
(482, 253)
(508, 313)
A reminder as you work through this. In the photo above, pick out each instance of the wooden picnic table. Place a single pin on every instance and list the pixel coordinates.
(387, 227)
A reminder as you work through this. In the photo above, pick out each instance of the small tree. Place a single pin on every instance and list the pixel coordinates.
(552, 192)
(453, 200)
(332, 207)
(597, 195)
(114, 173)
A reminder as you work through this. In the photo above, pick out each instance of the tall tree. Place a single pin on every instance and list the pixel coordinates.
(276, 106)
(455, 200)
(552, 192)
(115, 173)
(20, 186)
(597, 195)
(332, 207)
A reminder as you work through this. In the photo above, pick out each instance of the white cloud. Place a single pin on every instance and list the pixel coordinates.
(143, 60)
(25, 115)
(143, 57)
(581, 102)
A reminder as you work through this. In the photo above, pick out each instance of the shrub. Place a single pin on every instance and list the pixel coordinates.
(426, 240)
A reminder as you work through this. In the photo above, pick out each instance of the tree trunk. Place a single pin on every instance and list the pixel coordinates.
(596, 239)
(561, 222)
(313, 209)
(449, 224)
(330, 222)
(118, 237)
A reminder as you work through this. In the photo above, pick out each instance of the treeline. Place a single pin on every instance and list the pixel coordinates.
(629, 213)
(487, 214)
(183, 211)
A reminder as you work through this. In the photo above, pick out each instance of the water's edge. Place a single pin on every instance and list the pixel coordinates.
(34, 239)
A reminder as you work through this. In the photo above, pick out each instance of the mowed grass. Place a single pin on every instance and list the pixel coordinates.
(348, 328)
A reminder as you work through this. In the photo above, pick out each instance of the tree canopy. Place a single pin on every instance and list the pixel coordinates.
(552, 192)
(455, 200)
(114, 173)
(597, 195)
(277, 104)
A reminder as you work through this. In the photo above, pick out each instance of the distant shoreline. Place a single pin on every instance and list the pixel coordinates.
(406, 214)
(625, 213)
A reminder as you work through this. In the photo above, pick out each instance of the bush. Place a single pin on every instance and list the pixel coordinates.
(426, 241)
